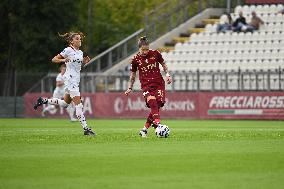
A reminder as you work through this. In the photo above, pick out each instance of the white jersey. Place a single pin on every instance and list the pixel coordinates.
(224, 19)
(59, 90)
(73, 66)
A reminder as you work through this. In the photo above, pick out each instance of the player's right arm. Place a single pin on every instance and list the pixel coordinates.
(63, 56)
(130, 83)
(59, 59)
(133, 70)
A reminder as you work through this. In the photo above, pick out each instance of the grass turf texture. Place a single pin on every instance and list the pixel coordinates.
(53, 153)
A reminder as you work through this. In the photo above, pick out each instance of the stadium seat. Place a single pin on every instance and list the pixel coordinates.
(231, 51)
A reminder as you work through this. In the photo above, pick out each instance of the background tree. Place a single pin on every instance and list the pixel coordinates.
(29, 31)
(30, 35)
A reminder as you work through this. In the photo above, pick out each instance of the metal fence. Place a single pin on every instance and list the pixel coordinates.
(11, 106)
(19, 83)
(182, 81)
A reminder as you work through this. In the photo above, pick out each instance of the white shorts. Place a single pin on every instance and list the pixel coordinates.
(58, 94)
(72, 88)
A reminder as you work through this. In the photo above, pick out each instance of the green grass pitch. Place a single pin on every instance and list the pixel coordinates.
(53, 153)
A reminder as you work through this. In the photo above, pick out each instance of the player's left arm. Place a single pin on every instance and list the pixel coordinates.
(161, 60)
(86, 59)
(168, 76)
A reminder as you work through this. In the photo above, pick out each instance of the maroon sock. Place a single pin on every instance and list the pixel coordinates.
(149, 121)
(150, 118)
(157, 121)
(147, 125)
(154, 109)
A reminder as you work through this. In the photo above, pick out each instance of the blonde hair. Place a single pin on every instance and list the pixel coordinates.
(69, 36)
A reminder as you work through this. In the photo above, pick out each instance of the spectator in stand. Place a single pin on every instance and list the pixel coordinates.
(281, 11)
(254, 23)
(240, 23)
(225, 23)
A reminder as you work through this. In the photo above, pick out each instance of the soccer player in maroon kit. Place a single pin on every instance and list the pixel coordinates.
(147, 61)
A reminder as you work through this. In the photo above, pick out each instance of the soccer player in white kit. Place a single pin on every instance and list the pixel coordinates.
(72, 56)
(59, 93)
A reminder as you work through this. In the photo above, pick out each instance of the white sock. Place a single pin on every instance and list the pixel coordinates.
(71, 110)
(56, 101)
(80, 115)
(48, 108)
(144, 128)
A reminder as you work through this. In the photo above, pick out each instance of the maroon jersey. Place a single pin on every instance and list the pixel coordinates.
(148, 66)
(152, 82)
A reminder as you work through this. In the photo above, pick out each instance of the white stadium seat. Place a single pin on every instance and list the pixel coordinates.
(209, 50)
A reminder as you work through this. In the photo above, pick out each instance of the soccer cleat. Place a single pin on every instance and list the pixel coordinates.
(143, 133)
(40, 101)
(88, 131)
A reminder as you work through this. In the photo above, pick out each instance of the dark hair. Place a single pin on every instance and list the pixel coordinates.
(143, 41)
(229, 17)
(61, 66)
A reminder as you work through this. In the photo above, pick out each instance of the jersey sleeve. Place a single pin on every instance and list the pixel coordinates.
(133, 65)
(159, 57)
(65, 52)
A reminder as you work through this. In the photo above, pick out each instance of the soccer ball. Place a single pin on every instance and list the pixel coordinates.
(162, 131)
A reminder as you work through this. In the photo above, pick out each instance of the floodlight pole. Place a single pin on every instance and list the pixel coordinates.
(90, 27)
(228, 6)
(15, 93)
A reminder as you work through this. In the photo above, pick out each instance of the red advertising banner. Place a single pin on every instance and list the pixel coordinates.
(117, 105)
(190, 105)
(31, 98)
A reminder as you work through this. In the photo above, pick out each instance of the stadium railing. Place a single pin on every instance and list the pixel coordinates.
(240, 80)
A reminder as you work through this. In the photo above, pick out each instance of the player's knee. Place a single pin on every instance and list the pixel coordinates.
(67, 99)
(153, 103)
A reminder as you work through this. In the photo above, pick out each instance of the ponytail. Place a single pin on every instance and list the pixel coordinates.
(69, 36)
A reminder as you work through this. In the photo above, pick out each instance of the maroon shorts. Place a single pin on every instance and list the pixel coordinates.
(157, 90)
